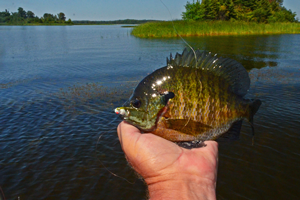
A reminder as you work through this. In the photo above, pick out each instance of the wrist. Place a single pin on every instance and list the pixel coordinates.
(179, 186)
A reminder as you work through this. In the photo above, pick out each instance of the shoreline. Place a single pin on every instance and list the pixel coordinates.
(211, 28)
(36, 24)
(123, 25)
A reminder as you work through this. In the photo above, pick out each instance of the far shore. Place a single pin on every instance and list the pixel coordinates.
(83, 22)
(122, 25)
(38, 24)
(168, 29)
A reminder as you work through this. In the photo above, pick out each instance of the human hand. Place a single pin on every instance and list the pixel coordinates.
(171, 171)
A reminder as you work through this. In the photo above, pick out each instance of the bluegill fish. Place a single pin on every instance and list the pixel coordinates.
(196, 97)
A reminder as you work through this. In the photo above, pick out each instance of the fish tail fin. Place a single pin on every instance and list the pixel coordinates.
(253, 108)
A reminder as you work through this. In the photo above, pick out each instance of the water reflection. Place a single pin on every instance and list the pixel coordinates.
(251, 51)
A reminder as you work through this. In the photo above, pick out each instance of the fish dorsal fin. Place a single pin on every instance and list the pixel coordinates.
(227, 68)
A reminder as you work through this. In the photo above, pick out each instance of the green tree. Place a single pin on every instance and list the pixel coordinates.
(223, 12)
(4, 16)
(31, 18)
(36, 20)
(262, 11)
(61, 17)
(69, 22)
(231, 13)
(251, 4)
(49, 18)
(275, 7)
(22, 17)
(30, 14)
(211, 9)
(283, 15)
(22, 13)
(194, 11)
(15, 18)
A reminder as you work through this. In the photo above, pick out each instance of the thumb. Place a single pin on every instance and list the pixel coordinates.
(128, 136)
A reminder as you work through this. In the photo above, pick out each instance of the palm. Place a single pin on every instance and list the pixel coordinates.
(153, 156)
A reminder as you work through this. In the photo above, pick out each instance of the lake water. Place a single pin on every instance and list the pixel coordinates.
(58, 88)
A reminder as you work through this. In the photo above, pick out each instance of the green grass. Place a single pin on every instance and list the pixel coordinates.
(185, 28)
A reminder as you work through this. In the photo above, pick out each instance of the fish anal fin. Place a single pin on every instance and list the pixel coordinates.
(233, 133)
(191, 144)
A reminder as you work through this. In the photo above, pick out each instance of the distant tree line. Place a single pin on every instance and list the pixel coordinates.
(23, 17)
(124, 21)
(262, 11)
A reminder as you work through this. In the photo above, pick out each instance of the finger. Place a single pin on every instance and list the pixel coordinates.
(128, 135)
(128, 130)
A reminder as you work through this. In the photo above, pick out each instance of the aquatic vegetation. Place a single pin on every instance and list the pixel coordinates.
(211, 28)
(17, 82)
(94, 97)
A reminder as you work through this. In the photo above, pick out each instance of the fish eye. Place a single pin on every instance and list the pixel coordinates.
(136, 103)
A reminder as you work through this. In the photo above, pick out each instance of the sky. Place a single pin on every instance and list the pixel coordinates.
(112, 9)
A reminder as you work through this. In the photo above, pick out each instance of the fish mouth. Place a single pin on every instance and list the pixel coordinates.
(121, 112)
(125, 114)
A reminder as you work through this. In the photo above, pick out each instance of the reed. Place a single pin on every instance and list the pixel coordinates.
(204, 28)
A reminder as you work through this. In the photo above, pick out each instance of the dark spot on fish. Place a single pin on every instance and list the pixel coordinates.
(168, 96)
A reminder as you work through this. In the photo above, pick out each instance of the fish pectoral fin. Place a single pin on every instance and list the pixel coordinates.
(187, 126)
(173, 135)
